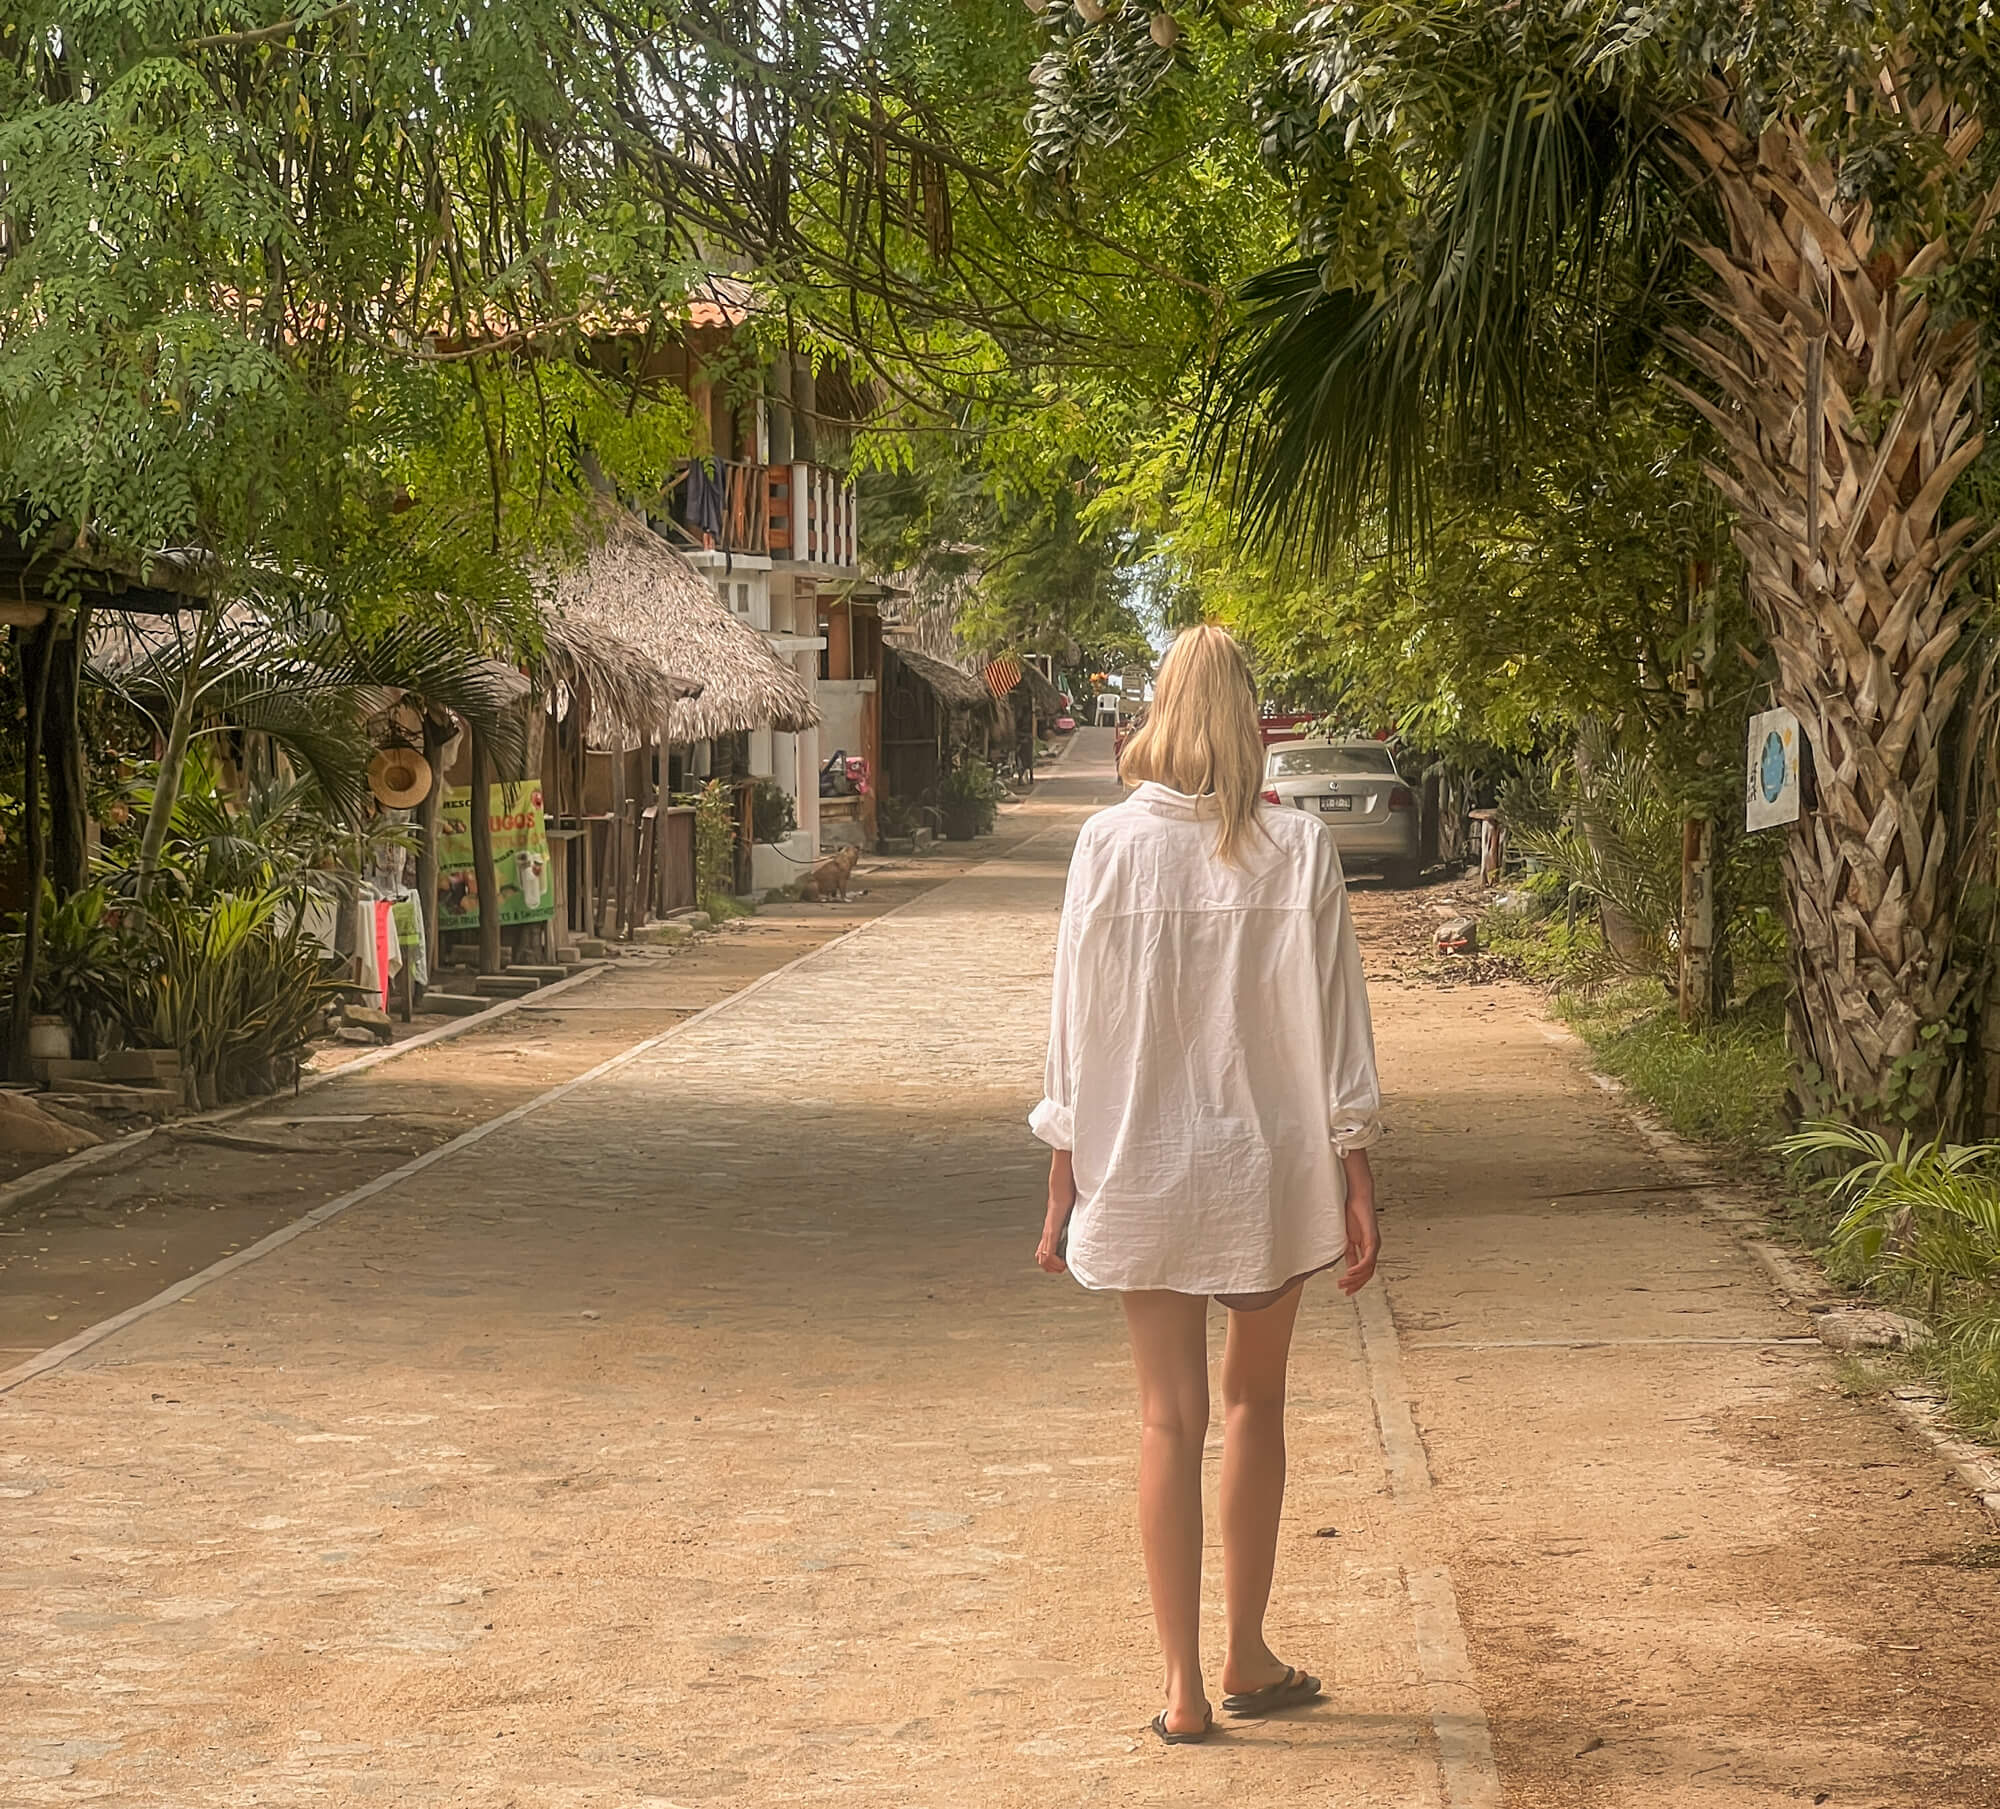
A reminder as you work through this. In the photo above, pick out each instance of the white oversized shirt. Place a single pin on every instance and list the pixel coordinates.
(1210, 1052)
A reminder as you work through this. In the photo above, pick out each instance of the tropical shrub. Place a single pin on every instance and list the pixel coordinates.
(714, 843)
(84, 968)
(773, 815)
(235, 984)
(1920, 1223)
(1608, 831)
(969, 796)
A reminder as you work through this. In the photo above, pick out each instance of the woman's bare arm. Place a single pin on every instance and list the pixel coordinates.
(1062, 1202)
(1364, 1242)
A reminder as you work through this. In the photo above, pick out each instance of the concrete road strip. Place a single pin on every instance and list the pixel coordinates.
(1465, 1744)
(59, 1354)
(1592, 1343)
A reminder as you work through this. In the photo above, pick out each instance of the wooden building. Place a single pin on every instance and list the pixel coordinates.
(932, 713)
(650, 687)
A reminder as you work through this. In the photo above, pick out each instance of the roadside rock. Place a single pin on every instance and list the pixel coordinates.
(27, 1130)
(1852, 1328)
(370, 1018)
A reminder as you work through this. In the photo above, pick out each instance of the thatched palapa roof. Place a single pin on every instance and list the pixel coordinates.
(634, 603)
(956, 690)
(1047, 700)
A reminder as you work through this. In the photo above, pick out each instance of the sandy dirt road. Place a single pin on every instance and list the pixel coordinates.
(706, 1436)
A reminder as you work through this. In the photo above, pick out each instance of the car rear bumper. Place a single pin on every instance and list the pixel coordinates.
(1395, 840)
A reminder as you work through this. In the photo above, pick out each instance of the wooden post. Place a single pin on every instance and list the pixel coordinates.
(485, 875)
(37, 649)
(1698, 1001)
(553, 810)
(69, 815)
(662, 802)
(437, 733)
(1697, 988)
(620, 857)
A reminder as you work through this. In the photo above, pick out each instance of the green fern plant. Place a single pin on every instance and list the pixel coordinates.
(1920, 1222)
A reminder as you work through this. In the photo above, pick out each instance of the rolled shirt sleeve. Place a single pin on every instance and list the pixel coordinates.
(1054, 1120)
(1354, 1095)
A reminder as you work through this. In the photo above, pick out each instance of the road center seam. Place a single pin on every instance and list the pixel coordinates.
(1458, 1720)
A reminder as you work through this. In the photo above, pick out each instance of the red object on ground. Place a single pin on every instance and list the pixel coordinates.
(383, 910)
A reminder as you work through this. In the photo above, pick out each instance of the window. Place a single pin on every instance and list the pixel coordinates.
(743, 599)
(1370, 759)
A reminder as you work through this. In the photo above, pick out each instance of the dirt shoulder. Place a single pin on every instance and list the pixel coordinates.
(1699, 1564)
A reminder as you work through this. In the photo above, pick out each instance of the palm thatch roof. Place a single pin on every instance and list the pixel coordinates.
(1047, 700)
(956, 690)
(633, 603)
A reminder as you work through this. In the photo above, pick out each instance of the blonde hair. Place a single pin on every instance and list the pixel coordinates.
(1201, 734)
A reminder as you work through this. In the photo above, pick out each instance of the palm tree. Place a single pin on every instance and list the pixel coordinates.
(303, 679)
(1843, 399)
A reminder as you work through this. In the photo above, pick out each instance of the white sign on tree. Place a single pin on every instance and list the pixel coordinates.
(1771, 794)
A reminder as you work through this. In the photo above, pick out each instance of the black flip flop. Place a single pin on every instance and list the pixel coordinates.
(1289, 1691)
(1192, 1739)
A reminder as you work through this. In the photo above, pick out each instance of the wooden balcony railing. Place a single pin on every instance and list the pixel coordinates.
(799, 511)
(811, 514)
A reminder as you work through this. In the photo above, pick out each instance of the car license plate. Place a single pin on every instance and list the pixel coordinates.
(1336, 803)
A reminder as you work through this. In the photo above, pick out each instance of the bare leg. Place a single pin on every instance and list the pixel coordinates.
(1170, 1351)
(1253, 1482)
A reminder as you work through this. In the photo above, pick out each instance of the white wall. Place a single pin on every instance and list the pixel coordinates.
(840, 709)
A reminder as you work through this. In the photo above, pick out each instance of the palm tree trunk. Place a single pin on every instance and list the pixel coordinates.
(173, 761)
(1845, 416)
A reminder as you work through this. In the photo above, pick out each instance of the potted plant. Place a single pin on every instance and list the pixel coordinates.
(773, 815)
(80, 985)
(969, 799)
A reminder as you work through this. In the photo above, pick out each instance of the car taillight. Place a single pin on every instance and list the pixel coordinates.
(1402, 798)
(1270, 795)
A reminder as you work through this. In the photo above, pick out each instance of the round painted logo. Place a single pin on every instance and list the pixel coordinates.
(1771, 767)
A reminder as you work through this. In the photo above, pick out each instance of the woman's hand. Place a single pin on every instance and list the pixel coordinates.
(1062, 1202)
(1364, 1241)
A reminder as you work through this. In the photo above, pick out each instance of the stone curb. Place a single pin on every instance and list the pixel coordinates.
(1796, 1276)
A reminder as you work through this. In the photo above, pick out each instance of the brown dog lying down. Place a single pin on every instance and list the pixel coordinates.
(829, 875)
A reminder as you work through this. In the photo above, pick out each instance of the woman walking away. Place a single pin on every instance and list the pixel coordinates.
(1211, 1098)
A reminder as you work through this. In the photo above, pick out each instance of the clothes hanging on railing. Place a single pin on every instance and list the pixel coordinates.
(705, 499)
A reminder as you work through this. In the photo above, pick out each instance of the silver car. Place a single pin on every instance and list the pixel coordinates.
(1355, 790)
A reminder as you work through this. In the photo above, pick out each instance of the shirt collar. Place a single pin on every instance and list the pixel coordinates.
(1164, 801)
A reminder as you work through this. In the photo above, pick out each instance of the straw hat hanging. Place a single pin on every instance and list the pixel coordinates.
(400, 777)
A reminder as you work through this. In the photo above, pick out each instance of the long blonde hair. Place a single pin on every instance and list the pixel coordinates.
(1201, 736)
